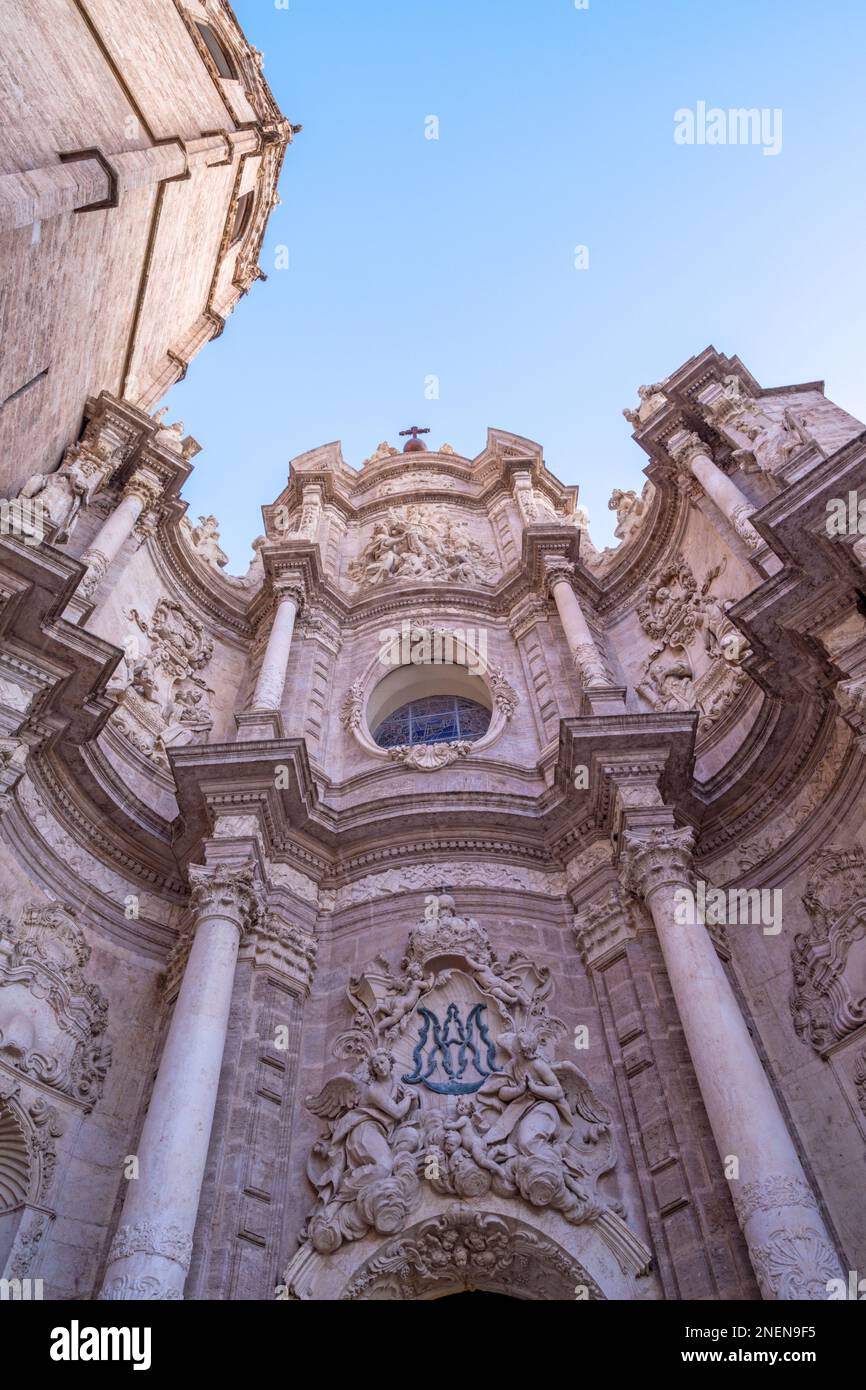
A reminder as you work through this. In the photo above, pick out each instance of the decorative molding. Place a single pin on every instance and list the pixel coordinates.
(795, 1265)
(147, 1238)
(54, 1018)
(824, 1007)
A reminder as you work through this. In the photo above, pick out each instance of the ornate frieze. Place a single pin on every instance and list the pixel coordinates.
(147, 1238)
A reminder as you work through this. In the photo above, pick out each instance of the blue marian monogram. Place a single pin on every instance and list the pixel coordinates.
(454, 1049)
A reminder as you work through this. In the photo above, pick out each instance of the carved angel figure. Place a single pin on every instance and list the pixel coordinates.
(773, 442)
(534, 1135)
(410, 988)
(364, 1176)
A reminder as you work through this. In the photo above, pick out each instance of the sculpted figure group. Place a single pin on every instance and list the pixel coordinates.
(478, 1114)
(415, 544)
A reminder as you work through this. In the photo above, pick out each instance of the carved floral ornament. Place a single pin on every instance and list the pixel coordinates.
(423, 645)
(52, 1018)
(454, 1092)
(828, 999)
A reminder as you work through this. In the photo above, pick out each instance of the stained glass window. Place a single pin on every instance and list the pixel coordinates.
(437, 719)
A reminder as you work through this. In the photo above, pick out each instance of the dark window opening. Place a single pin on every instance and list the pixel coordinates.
(224, 65)
(438, 719)
(243, 216)
(34, 381)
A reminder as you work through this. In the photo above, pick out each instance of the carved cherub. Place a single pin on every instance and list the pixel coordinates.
(412, 986)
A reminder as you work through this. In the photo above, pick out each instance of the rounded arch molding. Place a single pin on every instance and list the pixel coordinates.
(485, 1247)
(427, 658)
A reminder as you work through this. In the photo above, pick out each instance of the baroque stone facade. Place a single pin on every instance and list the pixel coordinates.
(346, 950)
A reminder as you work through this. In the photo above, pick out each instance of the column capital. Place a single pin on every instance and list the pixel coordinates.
(145, 486)
(289, 587)
(601, 929)
(656, 859)
(557, 571)
(227, 890)
(685, 446)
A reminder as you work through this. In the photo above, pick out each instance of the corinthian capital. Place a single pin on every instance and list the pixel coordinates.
(601, 928)
(289, 586)
(234, 892)
(655, 859)
(557, 571)
(145, 487)
(685, 446)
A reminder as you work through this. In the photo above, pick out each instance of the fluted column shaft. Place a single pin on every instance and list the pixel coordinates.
(790, 1248)
(150, 1254)
(272, 676)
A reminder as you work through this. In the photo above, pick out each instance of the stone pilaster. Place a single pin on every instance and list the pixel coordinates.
(151, 1251)
(700, 1250)
(239, 1231)
(790, 1249)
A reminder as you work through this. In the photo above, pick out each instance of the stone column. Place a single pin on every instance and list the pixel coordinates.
(143, 490)
(150, 1254)
(789, 1246)
(587, 657)
(272, 676)
(692, 455)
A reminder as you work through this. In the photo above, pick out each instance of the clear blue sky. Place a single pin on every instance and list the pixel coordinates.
(412, 257)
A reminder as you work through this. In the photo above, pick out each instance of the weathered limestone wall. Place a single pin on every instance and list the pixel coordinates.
(97, 297)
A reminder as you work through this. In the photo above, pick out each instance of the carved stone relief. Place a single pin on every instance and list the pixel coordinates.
(695, 662)
(86, 466)
(828, 1000)
(454, 1085)
(163, 701)
(764, 442)
(463, 1249)
(52, 1018)
(416, 543)
(203, 540)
